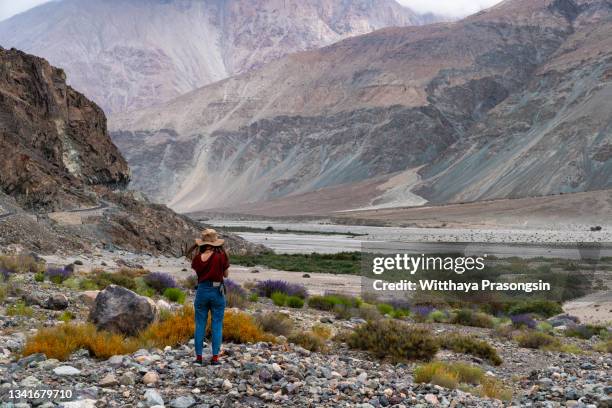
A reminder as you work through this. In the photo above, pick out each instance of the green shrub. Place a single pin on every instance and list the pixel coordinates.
(253, 297)
(71, 283)
(99, 279)
(3, 292)
(276, 323)
(564, 348)
(39, 277)
(143, 289)
(545, 327)
(343, 263)
(344, 312)
(175, 295)
(436, 373)
(21, 264)
(535, 340)
(438, 316)
(295, 302)
(385, 309)
(88, 284)
(400, 313)
(393, 339)
(19, 309)
(505, 331)
(493, 388)
(448, 375)
(467, 317)
(279, 298)
(66, 316)
(368, 312)
(604, 346)
(545, 308)
(586, 331)
(365, 311)
(469, 345)
(308, 340)
(329, 302)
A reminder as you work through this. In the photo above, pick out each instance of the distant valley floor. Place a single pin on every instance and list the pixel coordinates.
(576, 211)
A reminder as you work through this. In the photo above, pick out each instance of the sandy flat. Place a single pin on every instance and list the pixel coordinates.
(595, 308)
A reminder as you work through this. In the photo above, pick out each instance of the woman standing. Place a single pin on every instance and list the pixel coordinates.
(211, 263)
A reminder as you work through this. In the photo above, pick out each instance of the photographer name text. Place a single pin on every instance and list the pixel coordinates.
(452, 286)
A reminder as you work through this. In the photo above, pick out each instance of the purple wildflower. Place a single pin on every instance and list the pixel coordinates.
(422, 310)
(234, 288)
(523, 320)
(5, 274)
(58, 275)
(267, 287)
(160, 281)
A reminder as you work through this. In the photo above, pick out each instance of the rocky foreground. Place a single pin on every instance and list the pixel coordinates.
(279, 374)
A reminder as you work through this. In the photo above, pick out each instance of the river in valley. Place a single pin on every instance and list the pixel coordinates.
(334, 238)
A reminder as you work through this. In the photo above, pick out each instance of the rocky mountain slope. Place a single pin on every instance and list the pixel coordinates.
(134, 53)
(510, 102)
(54, 141)
(62, 180)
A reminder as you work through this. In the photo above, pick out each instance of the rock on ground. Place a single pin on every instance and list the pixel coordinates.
(120, 310)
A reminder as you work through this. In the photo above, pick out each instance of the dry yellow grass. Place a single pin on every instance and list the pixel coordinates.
(175, 329)
(62, 340)
(240, 327)
(452, 375)
(321, 331)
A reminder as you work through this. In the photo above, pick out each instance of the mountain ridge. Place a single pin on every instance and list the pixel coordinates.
(396, 99)
(131, 54)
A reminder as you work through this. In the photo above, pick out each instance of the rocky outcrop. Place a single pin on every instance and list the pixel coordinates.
(120, 310)
(53, 140)
(129, 61)
(139, 226)
(510, 102)
(62, 180)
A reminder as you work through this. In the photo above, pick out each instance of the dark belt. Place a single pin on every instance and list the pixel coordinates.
(210, 283)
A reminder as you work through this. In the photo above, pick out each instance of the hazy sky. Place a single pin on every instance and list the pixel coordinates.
(455, 8)
(9, 8)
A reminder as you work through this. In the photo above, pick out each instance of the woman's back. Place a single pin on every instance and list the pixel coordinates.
(210, 265)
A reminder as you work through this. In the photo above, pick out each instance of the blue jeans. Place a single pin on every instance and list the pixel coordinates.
(208, 299)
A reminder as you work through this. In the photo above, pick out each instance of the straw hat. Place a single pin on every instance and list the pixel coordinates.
(209, 237)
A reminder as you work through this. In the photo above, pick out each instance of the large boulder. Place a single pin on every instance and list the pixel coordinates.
(120, 310)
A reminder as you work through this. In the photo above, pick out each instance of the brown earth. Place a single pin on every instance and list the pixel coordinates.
(588, 208)
(578, 209)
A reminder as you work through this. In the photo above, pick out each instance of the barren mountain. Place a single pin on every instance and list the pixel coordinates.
(127, 54)
(513, 101)
(53, 140)
(62, 180)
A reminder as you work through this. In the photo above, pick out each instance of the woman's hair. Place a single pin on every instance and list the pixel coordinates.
(219, 248)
